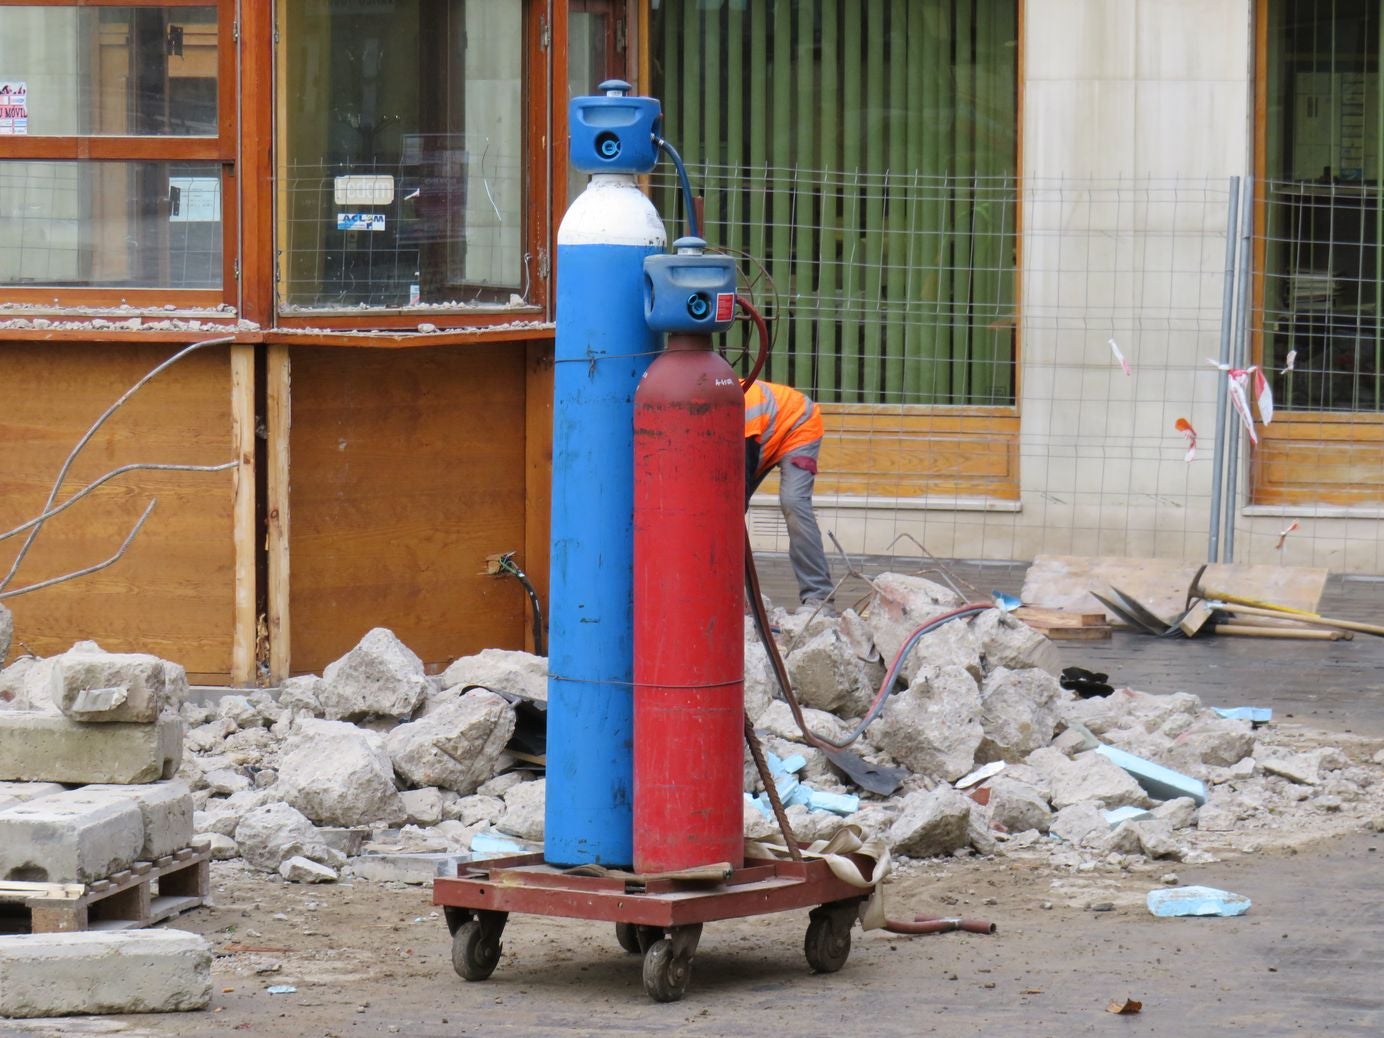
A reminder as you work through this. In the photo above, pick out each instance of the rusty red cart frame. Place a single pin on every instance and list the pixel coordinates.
(661, 918)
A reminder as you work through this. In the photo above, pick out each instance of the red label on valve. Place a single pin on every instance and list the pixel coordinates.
(725, 306)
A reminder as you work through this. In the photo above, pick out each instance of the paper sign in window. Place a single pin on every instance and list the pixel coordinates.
(194, 199)
(363, 190)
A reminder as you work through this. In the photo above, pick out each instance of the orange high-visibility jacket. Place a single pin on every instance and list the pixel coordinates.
(781, 419)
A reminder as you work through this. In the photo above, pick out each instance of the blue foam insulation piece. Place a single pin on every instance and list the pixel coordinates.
(1169, 902)
(1158, 782)
(1253, 714)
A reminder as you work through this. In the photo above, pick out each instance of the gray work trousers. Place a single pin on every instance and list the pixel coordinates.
(805, 550)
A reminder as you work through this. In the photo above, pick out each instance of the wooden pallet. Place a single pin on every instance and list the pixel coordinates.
(1061, 625)
(146, 893)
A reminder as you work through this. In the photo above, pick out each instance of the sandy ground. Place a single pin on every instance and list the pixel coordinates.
(1306, 960)
(375, 959)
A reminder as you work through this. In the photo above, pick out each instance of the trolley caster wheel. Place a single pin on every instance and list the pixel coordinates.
(636, 939)
(475, 954)
(665, 974)
(827, 945)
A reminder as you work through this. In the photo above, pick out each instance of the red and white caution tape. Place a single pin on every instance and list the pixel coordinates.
(1185, 428)
(1120, 357)
(1283, 533)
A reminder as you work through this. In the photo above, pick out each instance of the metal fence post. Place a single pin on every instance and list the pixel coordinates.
(1232, 230)
(1237, 360)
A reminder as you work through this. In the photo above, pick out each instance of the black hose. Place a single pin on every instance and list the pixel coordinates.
(689, 209)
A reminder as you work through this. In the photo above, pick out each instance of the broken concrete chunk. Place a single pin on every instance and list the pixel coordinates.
(827, 674)
(1082, 824)
(523, 815)
(1015, 807)
(338, 774)
(761, 685)
(1178, 813)
(115, 687)
(6, 631)
(932, 823)
(380, 677)
(457, 745)
(476, 809)
(240, 711)
(501, 670)
(901, 604)
(303, 870)
(1006, 641)
(1088, 776)
(422, 806)
(1018, 712)
(223, 848)
(129, 971)
(778, 720)
(933, 727)
(48, 747)
(1217, 741)
(26, 684)
(272, 833)
(300, 693)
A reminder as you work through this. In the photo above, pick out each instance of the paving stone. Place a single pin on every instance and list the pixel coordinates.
(46, 747)
(70, 837)
(166, 808)
(129, 971)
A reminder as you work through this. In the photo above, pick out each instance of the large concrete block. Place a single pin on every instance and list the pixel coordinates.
(42, 747)
(70, 837)
(116, 687)
(12, 793)
(131, 971)
(167, 811)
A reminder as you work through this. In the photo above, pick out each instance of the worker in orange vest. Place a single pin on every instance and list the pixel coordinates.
(783, 429)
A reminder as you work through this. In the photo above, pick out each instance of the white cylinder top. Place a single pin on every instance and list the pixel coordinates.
(612, 211)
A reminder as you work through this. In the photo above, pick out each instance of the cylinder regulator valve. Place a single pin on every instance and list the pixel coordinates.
(612, 132)
(688, 291)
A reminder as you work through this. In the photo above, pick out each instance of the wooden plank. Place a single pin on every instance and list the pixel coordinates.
(278, 427)
(401, 487)
(1076, 634)
(172, 592)
(256, 203)
(244, 532)
(1065, 582)
(1038, 617)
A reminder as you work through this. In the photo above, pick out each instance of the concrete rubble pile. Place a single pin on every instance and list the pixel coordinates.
(90, 742)
(376, 770)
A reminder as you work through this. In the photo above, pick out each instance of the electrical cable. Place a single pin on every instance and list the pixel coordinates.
(506, 564)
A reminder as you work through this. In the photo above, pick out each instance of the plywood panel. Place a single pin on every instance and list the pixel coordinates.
(919, 454)
(172, 593)
(1326, 459)
(406, 468)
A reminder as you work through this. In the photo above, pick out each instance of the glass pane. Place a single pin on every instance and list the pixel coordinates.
(866, 154)
(131, 224)
(1324, 221)
(588, 64)
(402, 154)
(141, 71)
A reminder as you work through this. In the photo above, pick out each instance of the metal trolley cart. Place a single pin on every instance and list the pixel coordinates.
(659, 917)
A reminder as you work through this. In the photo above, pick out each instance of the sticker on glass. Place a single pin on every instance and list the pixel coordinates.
(14, 108)
(360, 221)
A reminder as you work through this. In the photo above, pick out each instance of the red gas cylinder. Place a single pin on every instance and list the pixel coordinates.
(689, 656)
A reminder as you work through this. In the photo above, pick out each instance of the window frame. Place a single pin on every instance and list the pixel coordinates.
(537, 33)
(221, 149)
